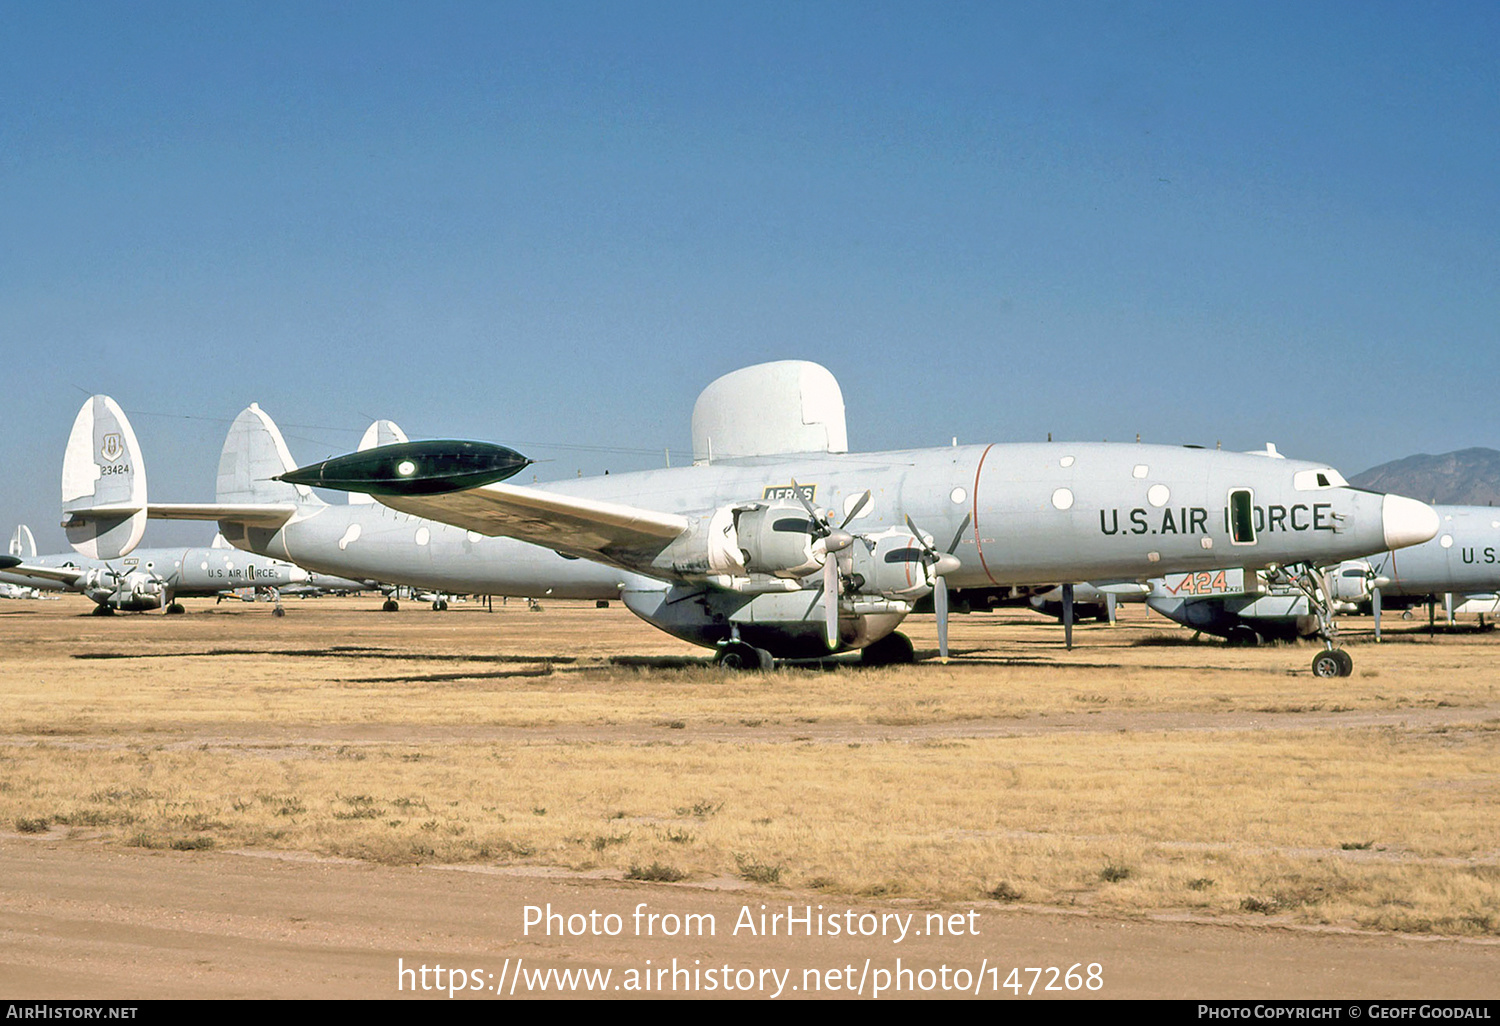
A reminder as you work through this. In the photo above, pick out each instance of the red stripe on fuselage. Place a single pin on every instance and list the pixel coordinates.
(978, 547)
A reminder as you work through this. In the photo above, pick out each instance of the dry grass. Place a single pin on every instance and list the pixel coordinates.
(1120, 777)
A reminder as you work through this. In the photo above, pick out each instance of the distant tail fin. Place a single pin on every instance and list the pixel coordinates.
(103, 482)
(254, 452)
(23, 543)
(382, 432)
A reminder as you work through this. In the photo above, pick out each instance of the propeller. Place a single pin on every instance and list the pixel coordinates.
(834, 540)
(938, 565)
(1375, 581)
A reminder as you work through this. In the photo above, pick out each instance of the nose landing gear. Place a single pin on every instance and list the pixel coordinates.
(1312, 582)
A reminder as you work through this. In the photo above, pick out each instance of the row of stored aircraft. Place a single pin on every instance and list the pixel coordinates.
(148, 579)
(777, 542)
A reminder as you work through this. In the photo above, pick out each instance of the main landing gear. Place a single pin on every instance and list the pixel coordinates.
(740, 655)
(1333, 661)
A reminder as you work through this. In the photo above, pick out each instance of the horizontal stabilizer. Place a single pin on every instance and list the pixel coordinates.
(251, 514)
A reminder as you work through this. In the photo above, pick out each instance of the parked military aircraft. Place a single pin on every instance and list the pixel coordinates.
(1463, 559)
(778, 542)
(151, 578)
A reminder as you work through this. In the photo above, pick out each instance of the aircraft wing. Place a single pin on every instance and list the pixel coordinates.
(69, 575)
(566, 523)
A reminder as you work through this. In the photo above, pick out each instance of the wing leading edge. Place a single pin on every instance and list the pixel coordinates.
(566, 523)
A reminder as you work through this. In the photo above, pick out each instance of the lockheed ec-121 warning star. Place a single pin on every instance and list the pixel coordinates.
(778, 542)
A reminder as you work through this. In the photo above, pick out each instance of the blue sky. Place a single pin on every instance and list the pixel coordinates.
(551, 224)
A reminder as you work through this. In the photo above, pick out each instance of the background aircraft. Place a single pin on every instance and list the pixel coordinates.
(1462, 562)
(777, 542)
(150, 578)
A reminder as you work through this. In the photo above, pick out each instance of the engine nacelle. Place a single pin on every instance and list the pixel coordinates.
(777, 538)
(888, 564)
(1350, 581)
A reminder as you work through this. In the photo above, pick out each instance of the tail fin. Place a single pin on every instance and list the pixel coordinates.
(23, 543)
(254, 452)
(382, 432)
(103, 482)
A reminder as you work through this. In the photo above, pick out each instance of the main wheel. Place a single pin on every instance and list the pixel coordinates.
(1327, 664)
(739, 656)
(891, 650)
(1346, 662)
(278, 611)
(1244, 635)
(175, 608)
(390, 606)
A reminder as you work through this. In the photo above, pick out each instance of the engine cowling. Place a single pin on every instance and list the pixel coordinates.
(779, 539)
(889, 564)
(1350, 581)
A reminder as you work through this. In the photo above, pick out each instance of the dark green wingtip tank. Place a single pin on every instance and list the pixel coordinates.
(9, 561)
(413, 468)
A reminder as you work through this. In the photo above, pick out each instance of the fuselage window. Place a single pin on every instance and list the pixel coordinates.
(1241, 517)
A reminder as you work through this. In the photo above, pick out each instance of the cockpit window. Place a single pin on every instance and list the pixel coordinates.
(1311, 480)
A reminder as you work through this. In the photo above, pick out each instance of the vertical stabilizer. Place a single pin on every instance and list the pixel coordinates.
(382, 432)
(103, 482)
(23, 543)
(254, 452)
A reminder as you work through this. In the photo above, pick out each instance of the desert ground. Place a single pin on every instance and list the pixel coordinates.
(336, 802)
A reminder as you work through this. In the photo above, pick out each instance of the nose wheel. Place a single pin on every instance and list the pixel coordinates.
(1333, 662)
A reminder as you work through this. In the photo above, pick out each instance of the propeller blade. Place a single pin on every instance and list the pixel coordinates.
(940, 606)
(812, 513)
(916, 533)
(1067, 590)
(958, 535)
(831, 601)
(1375, 608)
(863, 499)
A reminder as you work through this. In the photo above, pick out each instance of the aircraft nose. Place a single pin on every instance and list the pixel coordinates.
(1407, 521)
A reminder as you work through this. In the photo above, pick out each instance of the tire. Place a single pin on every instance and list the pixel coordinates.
(1327, 665)
(892, 650)
(278, 611)
(390, 606)
(738, 656)
(1244, 636)
(1346, 662)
